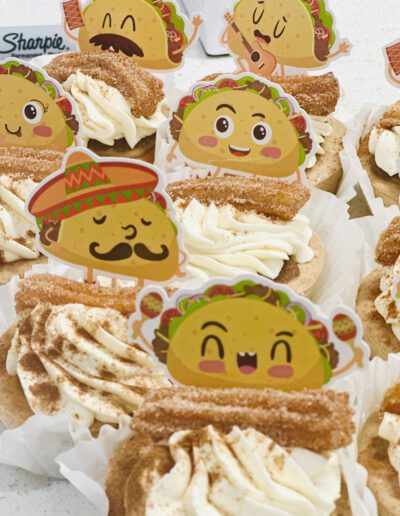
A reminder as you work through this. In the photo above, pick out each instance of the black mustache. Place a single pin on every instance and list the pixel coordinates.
(144, 252)
(118, 43)
(118, 252)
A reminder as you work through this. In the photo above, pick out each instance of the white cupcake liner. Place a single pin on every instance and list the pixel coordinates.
(353, 171)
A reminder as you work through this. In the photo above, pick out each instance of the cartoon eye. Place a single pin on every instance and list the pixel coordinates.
(261, 133)
(107, 19)
(99, 221)
(145, 222)
(132, 19)
(224, 126)
(217, 340)
(33, 112)
(286, 345)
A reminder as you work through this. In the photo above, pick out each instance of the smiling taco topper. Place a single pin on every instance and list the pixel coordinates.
(109, 215)
(247, 332)
(35, 111)
(263, 34)
(392, 58)
(151, 32)
(243, 124)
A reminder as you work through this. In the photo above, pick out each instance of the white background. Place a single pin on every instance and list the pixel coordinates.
(368, 24)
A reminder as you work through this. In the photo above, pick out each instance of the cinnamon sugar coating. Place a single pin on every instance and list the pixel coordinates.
(266, 197)
(391, 401)
(56, 290)
(27, 163)
(388, 248)
(316, 94)
(319, 420)
(391, 117)
(140, 88)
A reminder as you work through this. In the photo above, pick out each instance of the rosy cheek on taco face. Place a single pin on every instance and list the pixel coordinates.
(43, 130)
(271, 152)
(281, 371)
(208, 141)
(212, 366)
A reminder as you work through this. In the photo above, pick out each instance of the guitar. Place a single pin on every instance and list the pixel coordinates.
(259, 61)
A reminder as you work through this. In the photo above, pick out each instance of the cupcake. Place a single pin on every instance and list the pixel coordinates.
(379, 312)
(69, 354)
(318, 96)
(21, 169)
(234, 225)
(379, 452)
(379, 153)
(232, 451)
(120, 104)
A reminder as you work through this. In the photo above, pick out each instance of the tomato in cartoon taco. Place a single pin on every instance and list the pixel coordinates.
(149, 31)
(34, 111)
(251, 335)
(297, 33)
(242, 124)
(107, 216)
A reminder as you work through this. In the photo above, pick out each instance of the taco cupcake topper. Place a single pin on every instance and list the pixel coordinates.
(110, 215)
(247, 332)
(243, 124)
(153, 33)
(261, 35)
(35, 111)
(392, 59)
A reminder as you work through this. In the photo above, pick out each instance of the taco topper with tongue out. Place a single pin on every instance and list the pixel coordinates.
(151, 32)
(108, 215)
(247, 332)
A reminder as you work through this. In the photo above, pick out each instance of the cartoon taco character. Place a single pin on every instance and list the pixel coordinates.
(107, 216)
(297, 33)
(249, 334)
(150, 32)
(35, 112)
(244, 124)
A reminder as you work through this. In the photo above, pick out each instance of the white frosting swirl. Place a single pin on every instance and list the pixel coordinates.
(321, 129)
(106, 114)
(389, 430)
(75, 360)
(384, 144)
(386, 306)
(243, 472)
(225, 242)
(17, 233)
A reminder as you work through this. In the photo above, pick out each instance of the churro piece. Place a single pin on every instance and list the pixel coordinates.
(391, 117)
(391, 401)
(141, 89)
(388, 248)
(47, 288)
(316, 94)
(266, 197)
(27, 163)
(319, 420)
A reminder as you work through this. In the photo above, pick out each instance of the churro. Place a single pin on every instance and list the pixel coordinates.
(391, 117)
(388, 248)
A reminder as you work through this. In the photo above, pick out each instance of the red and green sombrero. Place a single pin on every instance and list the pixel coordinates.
(86, 184)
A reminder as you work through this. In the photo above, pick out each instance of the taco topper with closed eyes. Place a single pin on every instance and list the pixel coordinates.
(34, 109)
(262, 34)
(247, 332)
(153, 33)
(243, 124)
(109, 215)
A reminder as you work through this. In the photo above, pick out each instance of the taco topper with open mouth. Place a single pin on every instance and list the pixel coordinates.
(264, 34)
(153, 33)
(35, 110)
(247, 332)
(109, 215)
(243, 124)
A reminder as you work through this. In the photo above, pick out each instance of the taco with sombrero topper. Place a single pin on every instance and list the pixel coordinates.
(245, 124)
(35, 111)
(247, 332)
(107, 215)
(151, 32)
(298, 33)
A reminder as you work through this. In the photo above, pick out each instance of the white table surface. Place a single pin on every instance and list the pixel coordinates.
(368, 24)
